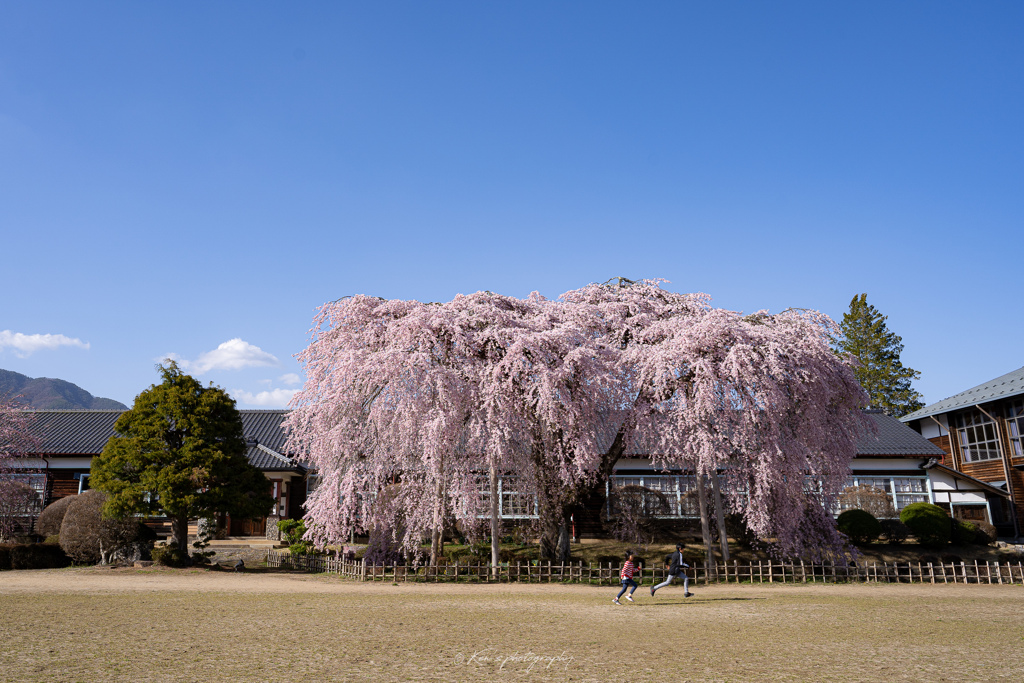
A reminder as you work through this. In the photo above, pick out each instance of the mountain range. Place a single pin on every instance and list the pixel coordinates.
(45, 393)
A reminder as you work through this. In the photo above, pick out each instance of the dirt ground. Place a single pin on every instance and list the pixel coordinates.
(196, 625)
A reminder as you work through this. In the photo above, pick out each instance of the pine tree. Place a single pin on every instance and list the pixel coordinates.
(866, 337)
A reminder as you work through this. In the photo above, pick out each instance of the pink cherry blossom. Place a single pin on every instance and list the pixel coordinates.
(421, 399)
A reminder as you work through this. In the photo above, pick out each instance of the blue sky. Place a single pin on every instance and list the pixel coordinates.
(196, 178)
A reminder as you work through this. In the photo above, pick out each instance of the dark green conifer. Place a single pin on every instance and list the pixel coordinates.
(866, 337)
(180, 452)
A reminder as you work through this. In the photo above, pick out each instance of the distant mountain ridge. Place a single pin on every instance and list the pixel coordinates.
(45, 393)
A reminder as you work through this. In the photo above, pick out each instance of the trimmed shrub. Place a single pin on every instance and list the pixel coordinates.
(80, 529)
(961, 532)
(894, 531)
(986, 534)
(929, 524)
(171, 556)
(5, 557)
(88, 538)
(301, 548)
(859, 526)
(292, 531)
(52, 516)
(38, 556)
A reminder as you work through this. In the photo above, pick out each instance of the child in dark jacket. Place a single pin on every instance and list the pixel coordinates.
(629, 570)
(675, 564)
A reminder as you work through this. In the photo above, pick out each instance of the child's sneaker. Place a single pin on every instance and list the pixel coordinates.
(630, 598)
(687, 595)
(652, 591)
(616, 601)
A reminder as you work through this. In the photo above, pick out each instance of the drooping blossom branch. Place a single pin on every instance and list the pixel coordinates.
(433, 395)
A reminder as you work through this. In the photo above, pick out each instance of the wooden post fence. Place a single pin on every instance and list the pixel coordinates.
(604, 574)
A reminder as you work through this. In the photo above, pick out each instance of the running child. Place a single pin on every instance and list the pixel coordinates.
(629, 570)
(674, 563)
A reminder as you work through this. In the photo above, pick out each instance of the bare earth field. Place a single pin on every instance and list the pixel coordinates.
(195, 625)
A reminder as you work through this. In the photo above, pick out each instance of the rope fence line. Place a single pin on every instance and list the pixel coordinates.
(602, 574)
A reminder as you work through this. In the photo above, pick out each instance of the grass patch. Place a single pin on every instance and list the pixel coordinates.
(188, 625)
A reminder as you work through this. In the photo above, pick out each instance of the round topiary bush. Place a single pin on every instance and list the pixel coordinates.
(962, 532)
(929, 524)
(80, 529)
(894, 531)
(859, 526)
(52, 516)
(87, 537)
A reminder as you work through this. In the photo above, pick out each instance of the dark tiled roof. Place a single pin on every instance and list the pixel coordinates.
(73, 432)
(1010, 384)
(86, 432)
(268, 459)
(265, 427)
(894, 438)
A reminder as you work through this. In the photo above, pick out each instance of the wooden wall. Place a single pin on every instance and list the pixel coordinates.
(943, 443)
(991, 470)
(61, 483)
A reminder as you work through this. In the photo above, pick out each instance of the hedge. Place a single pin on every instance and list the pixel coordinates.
(32, 556)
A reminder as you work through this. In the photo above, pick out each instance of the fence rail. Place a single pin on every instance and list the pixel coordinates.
(764, 571)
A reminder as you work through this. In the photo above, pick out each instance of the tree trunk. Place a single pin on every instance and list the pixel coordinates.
(716, 490)
(495, 523)
(705, 525)
(554, 541)
(437, 535)
(554, 533)
(435, 546)
(179, 532)
(551, 510)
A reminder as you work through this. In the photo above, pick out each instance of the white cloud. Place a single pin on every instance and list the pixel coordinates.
(291, 379)
(26, 344)
(275, 398)
(233, 354)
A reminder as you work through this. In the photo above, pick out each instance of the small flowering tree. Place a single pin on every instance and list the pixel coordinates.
(18, 501)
